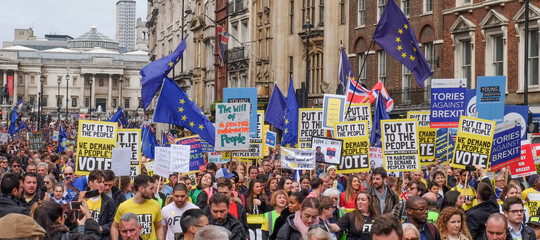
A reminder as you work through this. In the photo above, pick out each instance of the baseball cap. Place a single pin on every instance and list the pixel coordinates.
(16, 225)
(223, 172)
(534, 222)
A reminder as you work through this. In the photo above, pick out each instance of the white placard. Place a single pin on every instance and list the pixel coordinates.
(162, 161)
(120, 164)
(179, 158)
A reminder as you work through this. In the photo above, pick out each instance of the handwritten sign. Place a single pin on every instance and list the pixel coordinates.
(309, 125)
(355, 153)
(35, 140)
(474, 142)
(328, 150)
(180, 158)
(255, 149)
(163, 161)
(232, 126)
(400, 145)
(299, 159)
(95, 142)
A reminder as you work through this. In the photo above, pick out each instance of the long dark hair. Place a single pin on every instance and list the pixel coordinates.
(450, 199)
(281, 183)
(359, 219)
(46, 215)
(250, 195)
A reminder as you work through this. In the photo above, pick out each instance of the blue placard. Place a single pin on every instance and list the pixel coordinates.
(270, 139)
(490, 94)
(205, 146)
(249, 95)
(470, 100)
(506, 148)
(447, 102)
(196, 158)
(444, 145)
(520, 112)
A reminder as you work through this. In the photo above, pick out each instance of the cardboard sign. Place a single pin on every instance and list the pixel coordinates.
(217, 157)
(163, 161)
(359, 112)
(196, 157)
(95, 142)
(474, 142)
(447, 102)
(506, 148)
(426, 137)
(244, 95)
(525, 166)
(35, 140)
(180, 158)
(490, 95)
(232, 126)
(120, 164)
(328, 150)
(533, 203)
(298, 159)
(131, 138)
(309, 125)
(400, 145)
(375, 157)
(333, 110)
(355, 153)
(444, 145)
(255, 144)
(270, 139)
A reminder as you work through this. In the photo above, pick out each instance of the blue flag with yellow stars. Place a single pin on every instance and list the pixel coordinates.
(290, 128)
(120, 118)
(154, 72)
(12, 125)
(397, 38)
(379, 114)
(175, 107)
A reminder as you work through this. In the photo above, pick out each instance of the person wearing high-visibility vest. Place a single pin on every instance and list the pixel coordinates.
(279, 202)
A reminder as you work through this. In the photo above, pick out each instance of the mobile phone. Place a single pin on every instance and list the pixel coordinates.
(75, 205)
(91, 194)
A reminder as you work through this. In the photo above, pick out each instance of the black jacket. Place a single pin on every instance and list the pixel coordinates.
(477, 216)
(289, 231)
(232, 224)
(242, 217)
(280, 221)
(118, 196)
(10, 204)
(91, 232)
(528, 233)
(106, 217)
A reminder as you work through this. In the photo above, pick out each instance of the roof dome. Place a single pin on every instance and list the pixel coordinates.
(92, 39)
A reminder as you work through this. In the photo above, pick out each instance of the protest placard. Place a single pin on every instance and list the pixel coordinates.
(328, 150)
(447, 102)
(333, 110)
(258, 137)
(299, 159)
(45, 132)
(444, 145)
(150, 166)
(120, 164)
(266, 149)
(473, 143)
(180, 158)
(506, 145)
(232, 127)
(35, 140)
(426, 137)
(255, 144)
(196, 156)
(525, 164)
(359, 112)
(162, 161)
(309, 125)
(355, 153)
(217, 158)
(4, 137)
(95, 142)
(131, 138)
(375, 157)
(422, 117)
(400, 145)
(470, 102)
(536, 152)
(270, 139)
(490, 95)
(533, 203)
(244, 95)
(205, 146)
(519, 112)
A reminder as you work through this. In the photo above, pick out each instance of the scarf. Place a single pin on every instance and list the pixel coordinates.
(302, 228)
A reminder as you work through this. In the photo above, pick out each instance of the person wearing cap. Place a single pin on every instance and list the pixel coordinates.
(534, 182)
(20, 226)
(534, 223)
(223, 172)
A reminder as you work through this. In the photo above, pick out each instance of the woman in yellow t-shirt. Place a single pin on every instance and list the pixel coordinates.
(279, 202)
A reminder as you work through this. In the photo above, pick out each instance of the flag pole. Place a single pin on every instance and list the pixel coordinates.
(359, 74)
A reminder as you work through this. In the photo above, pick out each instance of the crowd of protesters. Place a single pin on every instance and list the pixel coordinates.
(42, 197)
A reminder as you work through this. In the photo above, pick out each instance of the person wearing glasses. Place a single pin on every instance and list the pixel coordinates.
(417, 214)
(4, 164)
(72, 185)
(16, 165)
(192, 220)
(452, 225)
(513, 210)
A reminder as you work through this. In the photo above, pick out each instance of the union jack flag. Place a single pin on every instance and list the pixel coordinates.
(356, 93)
(222, 40)
(170, 137)
(374, 93)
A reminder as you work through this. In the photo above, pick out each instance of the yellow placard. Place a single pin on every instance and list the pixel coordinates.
(355, 151)
(473, 143)
(95, 142)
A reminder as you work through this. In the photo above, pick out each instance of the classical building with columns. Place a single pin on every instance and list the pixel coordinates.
(89, 74)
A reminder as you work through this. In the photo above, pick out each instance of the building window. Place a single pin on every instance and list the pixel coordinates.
(342, 12)
(115, 83)
(498, 55)
(321, 13)
(87, 102)
(44, 101)
(308, 10)
(140, 103)
(291, 65)
(126, 103)
(405, 7)
(382, 65)
(291, 17)
(428, 6)
(316, 72)
(533, 57)
(361, 73)
(429, 52)
(73, 102)
(58, 101)
(406, 83)
(466, 60)
(114, 103)
(380, 8)
(32, 100)
(361, 13)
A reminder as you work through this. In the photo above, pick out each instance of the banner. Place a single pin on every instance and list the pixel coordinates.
(309, 125)
(525, 166)
(506, 145)
(255, 143)
(196, 157)
(162, 163)
(179, 161)
(95, 142)
(244, 95)
(473, 143)
(333, 110)
(232, 126)
(490, 95)
(120, 164)
(447, 102)
(327, 150)
(298, 159)
(131, 138)
(444, 145)
(426, 137)
(359, 112)
(400, 145)
(35, 140)
(355, 153)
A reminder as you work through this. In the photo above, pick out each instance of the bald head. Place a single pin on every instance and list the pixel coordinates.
(430, 197)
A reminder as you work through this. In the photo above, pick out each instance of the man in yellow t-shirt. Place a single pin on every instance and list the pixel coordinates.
(534, 183)
(467, 191)
(147, 210)
(101, 206)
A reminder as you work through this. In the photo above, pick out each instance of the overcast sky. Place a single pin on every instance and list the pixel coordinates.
(67, 17)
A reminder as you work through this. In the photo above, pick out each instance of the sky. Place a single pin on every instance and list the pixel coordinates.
(65, 17)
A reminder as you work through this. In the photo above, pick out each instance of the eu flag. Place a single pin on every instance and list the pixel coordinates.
(12, 128)
(379, 114)
(165, 140)
(120, 118)
(276, 109)
(345, 70)
(149, 141)
(154, 72)
(62, 139)
(290, 131)
(175, 107)
(397, 38)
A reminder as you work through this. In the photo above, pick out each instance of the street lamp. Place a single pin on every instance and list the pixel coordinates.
(67, 89)
(307, 26)
(91, 81)
(58, 101)
(121, 88)
(40, 119)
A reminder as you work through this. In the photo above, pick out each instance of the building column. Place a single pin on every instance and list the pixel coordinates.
(93, 93)
(15, 83)
(4, 80)
(26, 81)
(109, 96)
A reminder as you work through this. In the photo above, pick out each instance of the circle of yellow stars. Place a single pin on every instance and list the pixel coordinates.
(400, 48)
(184, 117)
